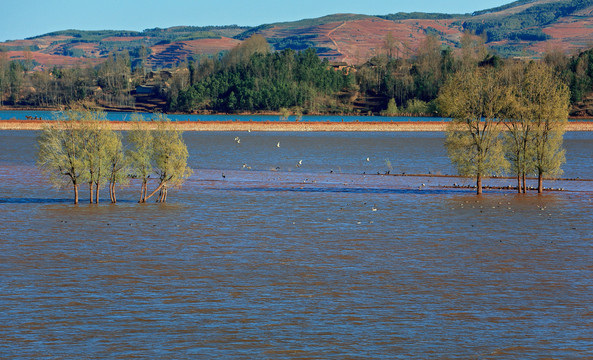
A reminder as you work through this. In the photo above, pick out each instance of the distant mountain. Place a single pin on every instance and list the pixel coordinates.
(522, 28)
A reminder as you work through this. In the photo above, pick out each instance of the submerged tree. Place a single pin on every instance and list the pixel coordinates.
(140, 152)
(548, 104)
(95, 134)
(170, 158)
(61, 152)
(475, 100)
(161, 151)
(117, 163)
(80, 147)
(536, 121)
(518, 125)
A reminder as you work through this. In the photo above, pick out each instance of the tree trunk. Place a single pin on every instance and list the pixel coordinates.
(75, 193)
(519, 189)
(163, 195)
(112, 192)
(97, 193)
(479, 184)
(540, 182)
(155, 191)
(91, 192)
(113, 197)
(143, 192)
(524, 184)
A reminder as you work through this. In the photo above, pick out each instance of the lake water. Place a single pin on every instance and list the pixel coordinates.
(323, 261)
(124, 116)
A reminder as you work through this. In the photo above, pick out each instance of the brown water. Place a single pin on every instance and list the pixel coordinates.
(295, 262)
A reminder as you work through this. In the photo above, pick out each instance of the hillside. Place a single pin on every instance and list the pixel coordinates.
(521, 28)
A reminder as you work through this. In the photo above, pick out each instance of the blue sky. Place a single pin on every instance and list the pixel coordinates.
(25, 18)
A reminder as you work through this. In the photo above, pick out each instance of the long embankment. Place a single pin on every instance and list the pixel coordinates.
(282, 125)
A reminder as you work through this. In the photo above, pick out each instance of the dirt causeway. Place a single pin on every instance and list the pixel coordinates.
(282, 126)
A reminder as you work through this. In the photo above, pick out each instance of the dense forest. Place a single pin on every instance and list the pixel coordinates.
(253, 78)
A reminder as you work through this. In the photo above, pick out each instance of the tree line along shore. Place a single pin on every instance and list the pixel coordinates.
(251, 78)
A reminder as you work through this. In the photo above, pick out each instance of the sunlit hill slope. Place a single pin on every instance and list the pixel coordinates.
(523, 28)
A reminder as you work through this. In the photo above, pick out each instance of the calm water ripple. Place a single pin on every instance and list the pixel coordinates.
(298, 262)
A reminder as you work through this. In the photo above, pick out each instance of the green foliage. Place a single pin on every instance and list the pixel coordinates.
(547, 106)
(581, 75)
(176, 33)
(284, 114)
(78, 148)
(170, 154)
(197, 35)
(320, 20)
(117, 170)
(60, 152)
(179, 33)
(503, 7)
(475, 99)
(94, 137)
(297, 42)
(391, 108)
(140, 152)
(530, 101)
(420, 16)
(269, 81)
(253, 31)
(473, 156)
(416, 106)
(90, 36)
(161, 151)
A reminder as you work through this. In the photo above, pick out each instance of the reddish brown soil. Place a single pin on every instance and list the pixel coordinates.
(568, 35)
(211, 46)
(352, 41)
(356, 41)
(47, 61)
(280, 126)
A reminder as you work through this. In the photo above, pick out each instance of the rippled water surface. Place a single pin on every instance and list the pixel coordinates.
(324, 260)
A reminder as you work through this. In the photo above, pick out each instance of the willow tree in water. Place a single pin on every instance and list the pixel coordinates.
(475, 100)
(117, 163)
(80, 147)
(141, 140)
(96, 133)
(60, 152)
(170, 158)
(536, 122)
(162, 152)
(548, 106)
(518, 125)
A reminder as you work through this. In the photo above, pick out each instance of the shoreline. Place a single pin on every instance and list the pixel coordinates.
(301, 126)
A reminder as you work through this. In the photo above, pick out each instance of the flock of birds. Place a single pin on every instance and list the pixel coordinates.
(299, 163)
